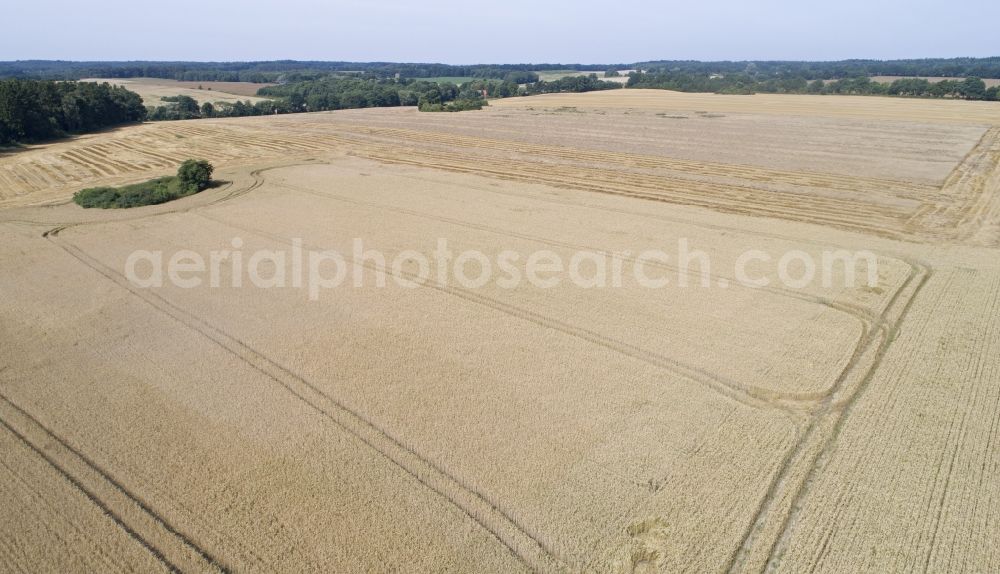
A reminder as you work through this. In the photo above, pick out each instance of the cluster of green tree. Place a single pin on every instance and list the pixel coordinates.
(337, 92)
(192, 176)
(177, 108)
(490, 88)
(456, 105)
(588, 83)
(739, 83)
(32, 110)
(715, 83)
(187, 108)
(969, 89)
(469, 96)
(933, 67)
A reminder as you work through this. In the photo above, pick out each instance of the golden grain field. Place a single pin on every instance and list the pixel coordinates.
(440, 427)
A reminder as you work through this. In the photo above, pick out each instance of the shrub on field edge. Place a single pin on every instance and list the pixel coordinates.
(196, 173)
(192, 176)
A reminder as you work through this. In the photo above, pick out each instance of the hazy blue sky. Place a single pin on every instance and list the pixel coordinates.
(471, 31)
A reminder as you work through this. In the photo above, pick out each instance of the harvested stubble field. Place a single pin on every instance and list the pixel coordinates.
(448, 428)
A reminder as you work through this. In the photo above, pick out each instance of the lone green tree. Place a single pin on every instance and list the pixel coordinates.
(195, 173)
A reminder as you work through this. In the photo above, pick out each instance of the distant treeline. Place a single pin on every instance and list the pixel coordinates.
(290, 70)
(740, 83)
(339, 93)
(932, 67)
(334, 93)
(34, 110)
(278, 71)
(39, 110)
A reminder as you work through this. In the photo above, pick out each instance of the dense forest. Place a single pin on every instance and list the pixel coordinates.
(740, 83)
(38, 110)
(289, 70)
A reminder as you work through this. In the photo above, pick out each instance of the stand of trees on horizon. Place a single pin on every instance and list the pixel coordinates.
(33, 110)
(290, 70)
(268, 72)
(930, 67)
(968, 89)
